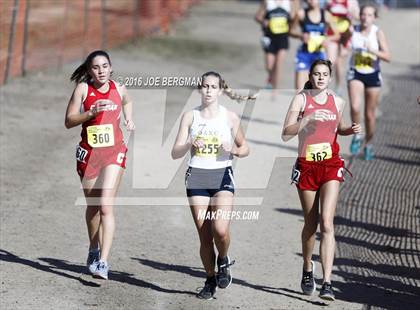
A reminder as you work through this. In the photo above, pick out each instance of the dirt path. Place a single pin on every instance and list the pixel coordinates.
(154, 262)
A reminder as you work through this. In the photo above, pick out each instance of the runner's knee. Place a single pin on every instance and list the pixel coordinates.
(326, 226)
(221, 233)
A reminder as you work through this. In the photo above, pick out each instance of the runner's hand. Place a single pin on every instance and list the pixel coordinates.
(309, 123)
(356, 128)
(227, 147)
(103, 105)
(198, 143)
(320, 115)
(100, 105)
(129, 124)
(92, 112)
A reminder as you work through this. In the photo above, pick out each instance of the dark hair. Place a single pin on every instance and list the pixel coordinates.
(226, 89)
(81, 74)
(211, 73)
(370, 5)
(308, 84)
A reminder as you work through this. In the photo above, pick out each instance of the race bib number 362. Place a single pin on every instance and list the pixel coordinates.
(318, 152)
(100, 135)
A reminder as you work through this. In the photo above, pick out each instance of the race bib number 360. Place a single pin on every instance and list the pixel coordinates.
(211, 146)
(100, 135)
(318, 152)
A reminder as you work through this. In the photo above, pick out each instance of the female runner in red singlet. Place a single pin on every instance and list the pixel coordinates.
(343, 13)
(96, 104)
(315, 116)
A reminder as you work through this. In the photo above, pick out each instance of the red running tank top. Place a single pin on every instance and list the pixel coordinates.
(339, 8)
(104, 129)
(340, 17)
(319, 142)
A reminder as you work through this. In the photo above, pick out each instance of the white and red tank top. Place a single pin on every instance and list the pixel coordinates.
(104, 129)
(319, 142)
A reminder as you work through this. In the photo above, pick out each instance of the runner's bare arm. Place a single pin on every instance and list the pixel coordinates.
(127, 108)
(354, 9)
(182, 143)
(294, 9)
(259, 16)
(343, 129)
(240, 147)
(292, 124)
(73, 116)
(294, 27)
(383, 53)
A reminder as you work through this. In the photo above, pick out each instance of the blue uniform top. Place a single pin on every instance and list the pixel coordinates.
(316, 33)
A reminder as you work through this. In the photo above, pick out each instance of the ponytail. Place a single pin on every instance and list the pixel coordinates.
(226, 89)
(81, 74)
(308, 85)
(234, 96)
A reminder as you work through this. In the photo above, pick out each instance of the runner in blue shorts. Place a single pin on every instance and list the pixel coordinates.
(313, 22)
(213, 135)
(369, 46)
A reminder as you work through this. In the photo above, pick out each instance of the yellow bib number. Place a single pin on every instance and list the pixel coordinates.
(278, 25)
(211, 146)
(318, 152)
(100, 135)
(364, 60)
(315, 42)
(341, 24)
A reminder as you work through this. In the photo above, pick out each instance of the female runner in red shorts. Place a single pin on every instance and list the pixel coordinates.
(96, 104)
(315, 116)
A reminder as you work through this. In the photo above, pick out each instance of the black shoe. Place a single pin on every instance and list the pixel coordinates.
(92, 261)
(209, 289)
(308, 282)
(327, 292)
(224, 276)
